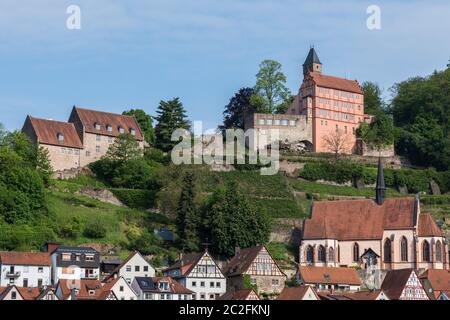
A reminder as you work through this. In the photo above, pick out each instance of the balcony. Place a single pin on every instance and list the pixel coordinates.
(10, 274)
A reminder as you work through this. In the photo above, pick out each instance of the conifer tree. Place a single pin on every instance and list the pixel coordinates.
(171, 115)
(188, 218)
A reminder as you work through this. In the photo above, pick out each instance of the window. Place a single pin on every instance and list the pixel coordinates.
(148, 296)
(269, 122)
(109, 128)
(438, 251)
(211, 284)
(89, 258)
(121, 288)
(284, 122)
(211, 297)
(426, 257)
(217, 284)
(202, 296)
(137, 268)
(292, 123)
(66, 257)
(128, 268)
(68, 270)
(98, 137)
(88, 153)
(387, 251)
(253, 281)
(321, 254)
(97, 149)
(331, 254)
(60, 137)
(13, 295)
(310, 254)
(11, 280)
(77, 152)
(275, 282)
(194, 283)
(97, 126)
(277, 122)
(404, 249)
(261, 122)
(25, 283)
(145, 268)
(110, 140)
(356, 252)
(121, 130)
(40, 269)
(202, 283)
(69, 151)
(345, 129)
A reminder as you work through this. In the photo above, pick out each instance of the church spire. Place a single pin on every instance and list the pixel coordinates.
(312, 62)
(380, 189)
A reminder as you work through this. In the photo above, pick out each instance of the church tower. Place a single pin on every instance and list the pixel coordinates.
(312, 63)
(380, 188)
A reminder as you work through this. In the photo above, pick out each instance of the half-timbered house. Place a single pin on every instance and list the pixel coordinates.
(403, 284)
(256, 265)
(201, 274)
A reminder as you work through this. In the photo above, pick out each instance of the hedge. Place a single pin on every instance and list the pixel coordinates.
(136, 198)
(342, 172)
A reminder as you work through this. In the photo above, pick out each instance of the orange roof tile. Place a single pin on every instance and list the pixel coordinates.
(329, 275)
(428, 227)
(25, 258)
(47, 133)
(296, 293)
(336, 83)
(439, 279)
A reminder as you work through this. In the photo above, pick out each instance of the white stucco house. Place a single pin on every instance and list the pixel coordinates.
(133, 266)
(25, 269)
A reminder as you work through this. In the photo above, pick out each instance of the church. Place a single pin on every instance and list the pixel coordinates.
(379, 234)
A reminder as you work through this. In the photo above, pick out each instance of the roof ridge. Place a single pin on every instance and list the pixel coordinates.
(106, 112)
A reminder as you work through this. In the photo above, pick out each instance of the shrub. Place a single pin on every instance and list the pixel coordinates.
(340, 172)
(147, 243)
(135, 198)
(95, 230)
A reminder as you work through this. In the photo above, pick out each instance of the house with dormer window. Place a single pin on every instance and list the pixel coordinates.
(160, 289)
(75, 263)
(133, 266)
(200, 273)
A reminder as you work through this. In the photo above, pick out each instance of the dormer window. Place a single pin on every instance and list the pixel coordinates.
(109, 128)
(164, 286)
(97, 126)
(132, 132)
(60, 137)
(91, 292)
(121, 130)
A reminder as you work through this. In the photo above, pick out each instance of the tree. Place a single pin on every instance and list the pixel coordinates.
(239, 107)
(124, 148)
(336, 142)
(43, 165)
(95, 229)
(188, 217)
(171, 116)
(378, 134)
(145, 123)
(270, 85)
(373, 102)
(231, 221)
(2, 132)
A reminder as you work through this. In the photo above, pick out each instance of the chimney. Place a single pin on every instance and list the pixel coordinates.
(52, 246)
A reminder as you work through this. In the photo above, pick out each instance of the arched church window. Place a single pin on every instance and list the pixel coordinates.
(331, 254)
(310, 254)
(404, 249)
(426, 256)
(438, 251)
(321, 254)
(387, 251)
(355, 252)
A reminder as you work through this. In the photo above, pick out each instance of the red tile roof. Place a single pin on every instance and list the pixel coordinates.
(364, 295)
(358, 219)
(25, 258)
(336, 83)
(296, 293)
(395, 281)
(428, 227)
(439, 279)
(47, 133)
(186, 263)
(240, 263)
(29, 293)
(84, 287)
(242, 294)
(329, 275)
(90, 117)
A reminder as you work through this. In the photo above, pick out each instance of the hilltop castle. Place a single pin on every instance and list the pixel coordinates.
(325, 106)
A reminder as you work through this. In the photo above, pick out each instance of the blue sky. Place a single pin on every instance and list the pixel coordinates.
(134, 53)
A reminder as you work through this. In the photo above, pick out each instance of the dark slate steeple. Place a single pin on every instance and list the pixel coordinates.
(380, 189)
(312, 62)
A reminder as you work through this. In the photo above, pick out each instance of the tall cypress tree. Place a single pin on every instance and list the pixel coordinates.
(188, 218)
(171, 115)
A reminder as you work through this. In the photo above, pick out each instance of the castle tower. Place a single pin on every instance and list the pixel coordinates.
(380, 188)
(312, 63)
